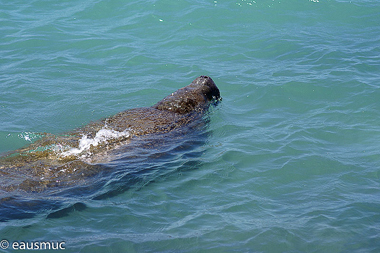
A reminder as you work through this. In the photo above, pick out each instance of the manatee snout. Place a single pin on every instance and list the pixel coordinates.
(193, 97)
(208, 87)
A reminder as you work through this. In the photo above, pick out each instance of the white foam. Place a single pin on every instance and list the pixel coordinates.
(102, 136)
(30, 136)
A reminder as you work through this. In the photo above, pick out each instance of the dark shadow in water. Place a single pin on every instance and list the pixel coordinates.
(167, 154)
(65, 211)
(138, 163)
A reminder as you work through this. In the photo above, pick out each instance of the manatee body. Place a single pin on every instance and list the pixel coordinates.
(51, 161)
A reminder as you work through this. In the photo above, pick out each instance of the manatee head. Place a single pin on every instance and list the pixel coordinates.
(193, 97)
(206, 86)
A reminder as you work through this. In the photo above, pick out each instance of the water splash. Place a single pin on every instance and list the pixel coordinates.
(103, 136)
(31, 136)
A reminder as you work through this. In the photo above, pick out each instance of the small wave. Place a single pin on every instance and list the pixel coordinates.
(30, 136)
(103, 136)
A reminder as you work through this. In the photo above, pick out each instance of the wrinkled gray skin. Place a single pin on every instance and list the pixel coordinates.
(34, 169)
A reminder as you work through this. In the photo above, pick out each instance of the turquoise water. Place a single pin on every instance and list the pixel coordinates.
(291, 161)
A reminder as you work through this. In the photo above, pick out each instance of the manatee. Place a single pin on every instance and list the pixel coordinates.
(69, 158)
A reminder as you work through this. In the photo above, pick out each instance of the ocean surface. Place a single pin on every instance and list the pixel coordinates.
(288, 161)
